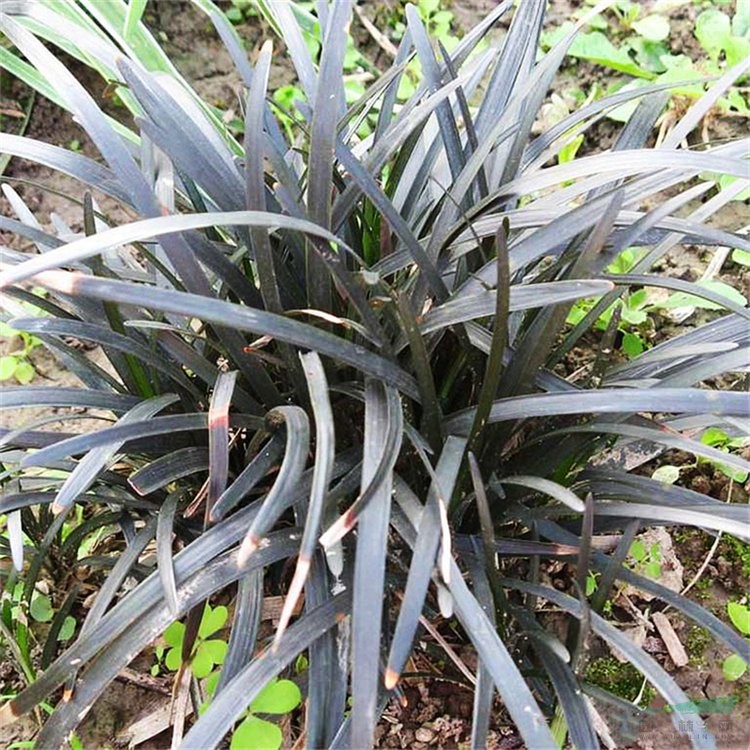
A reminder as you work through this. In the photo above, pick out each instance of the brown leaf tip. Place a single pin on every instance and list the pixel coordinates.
(391, 679)
(9, 713)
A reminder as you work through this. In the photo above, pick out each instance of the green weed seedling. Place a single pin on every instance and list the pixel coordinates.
(635, 40)
(735, 666)
(634, 309)
(682, 299)
(240, 10)
(637, 308)
(207, 652)
(591, 582)
(17, 366)
(715, 438)
(277, 698)
(439, 23)
(647, 559)
(18, 617)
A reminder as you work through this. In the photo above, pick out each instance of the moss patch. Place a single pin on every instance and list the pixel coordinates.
(737, 551)
(696, 642)
(621, 679)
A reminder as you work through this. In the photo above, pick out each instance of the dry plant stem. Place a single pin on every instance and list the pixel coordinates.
(710, 554)
(192, 509)
(452, 655)
(180, 700)
(380, 39)
(703, 566)
(145, 681)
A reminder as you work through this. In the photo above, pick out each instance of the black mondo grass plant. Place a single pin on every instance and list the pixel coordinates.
(333, 368)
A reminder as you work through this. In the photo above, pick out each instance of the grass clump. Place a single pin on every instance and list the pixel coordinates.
(331, 368)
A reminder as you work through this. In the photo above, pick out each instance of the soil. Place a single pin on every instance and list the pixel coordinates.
(433, 711)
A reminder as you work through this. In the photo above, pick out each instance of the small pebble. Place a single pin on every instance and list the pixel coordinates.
(423, 734)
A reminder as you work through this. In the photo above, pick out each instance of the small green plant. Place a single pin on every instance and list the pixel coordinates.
(714, 438)
(683, 299)
(591, 582)
(734, 666)
(277, 698)
(241, 10)
(696, 643)
(636, 310)
(633, 309)
(207, 652)
(438, 21)
(717, 438)
(631, 40)
(16, 365)
(647, 559)
(737, 551)
(724, 39)
(19, 616)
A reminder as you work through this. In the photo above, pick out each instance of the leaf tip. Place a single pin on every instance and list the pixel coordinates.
(391, 679)
(9, 713)
(338, 529)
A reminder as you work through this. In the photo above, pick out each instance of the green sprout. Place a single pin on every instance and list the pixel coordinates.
(735, 666)
(207, 652)
(277, 698)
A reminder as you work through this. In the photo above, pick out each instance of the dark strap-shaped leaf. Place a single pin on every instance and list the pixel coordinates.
(107, 338)
(390, 447)
(297, 428)
(482, 303)
(369, 570)
(324, 455)
(62, 160)
(218, 436)
(242, 318)
(17, 397)
(250, 476)
(164, 560)
(167, 469)
(98, 457)
(609, 401)
(156, 426)
(245, 625)
(423, 558)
